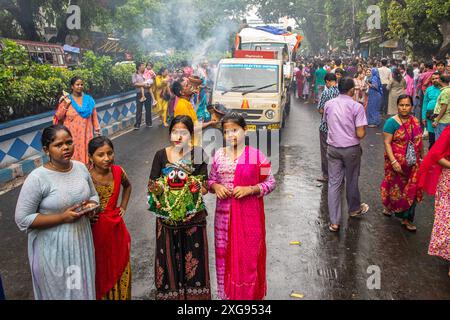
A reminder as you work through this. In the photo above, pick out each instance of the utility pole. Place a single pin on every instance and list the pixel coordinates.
(354, 25)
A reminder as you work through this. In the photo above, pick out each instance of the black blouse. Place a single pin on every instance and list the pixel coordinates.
(196, 156)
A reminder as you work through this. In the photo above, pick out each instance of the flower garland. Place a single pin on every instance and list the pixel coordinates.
(166, 189)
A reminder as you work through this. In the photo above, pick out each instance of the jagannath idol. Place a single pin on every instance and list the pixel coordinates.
(178, 193)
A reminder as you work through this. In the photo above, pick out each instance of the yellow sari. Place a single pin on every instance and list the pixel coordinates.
(161, 106)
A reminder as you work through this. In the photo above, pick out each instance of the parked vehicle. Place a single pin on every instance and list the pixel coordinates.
(42, 52)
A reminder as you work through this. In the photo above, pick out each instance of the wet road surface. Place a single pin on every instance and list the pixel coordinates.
(324, 266)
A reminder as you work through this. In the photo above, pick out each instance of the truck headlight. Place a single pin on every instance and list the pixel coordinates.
(270, 114)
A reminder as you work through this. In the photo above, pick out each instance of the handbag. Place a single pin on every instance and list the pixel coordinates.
(411, 155)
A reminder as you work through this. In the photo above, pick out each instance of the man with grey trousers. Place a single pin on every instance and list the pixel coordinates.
(346, 121)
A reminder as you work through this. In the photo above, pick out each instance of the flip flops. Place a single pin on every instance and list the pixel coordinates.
(333, 229)
(409, 226)
(364, 209)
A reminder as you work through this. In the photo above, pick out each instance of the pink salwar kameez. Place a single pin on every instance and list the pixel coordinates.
(241, 249)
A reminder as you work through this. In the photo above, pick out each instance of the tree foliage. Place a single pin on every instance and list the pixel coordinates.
(418, 22)
(28, 88)
(331, 22)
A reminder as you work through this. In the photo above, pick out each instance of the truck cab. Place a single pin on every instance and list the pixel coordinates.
(253, 87)
(267, 38)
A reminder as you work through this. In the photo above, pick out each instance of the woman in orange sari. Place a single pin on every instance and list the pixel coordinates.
(77, 112)
(400, 192)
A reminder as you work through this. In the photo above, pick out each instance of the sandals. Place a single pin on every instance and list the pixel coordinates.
(333, 228)
(322, 179)
(364, 209)
(387, 213)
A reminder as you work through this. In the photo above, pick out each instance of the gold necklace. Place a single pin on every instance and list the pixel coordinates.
(60, 170)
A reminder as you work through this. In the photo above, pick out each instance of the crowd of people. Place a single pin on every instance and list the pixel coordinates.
(79, 246)
(156, 91)
(413, 99)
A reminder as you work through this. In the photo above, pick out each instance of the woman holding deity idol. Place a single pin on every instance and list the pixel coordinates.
(178, 181)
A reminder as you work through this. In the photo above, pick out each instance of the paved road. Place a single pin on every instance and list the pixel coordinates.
(325, 266)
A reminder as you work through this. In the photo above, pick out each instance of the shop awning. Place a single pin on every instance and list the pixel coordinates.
(68, 48)
(369, 38)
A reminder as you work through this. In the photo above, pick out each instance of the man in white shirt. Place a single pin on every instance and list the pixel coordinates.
(386, 77)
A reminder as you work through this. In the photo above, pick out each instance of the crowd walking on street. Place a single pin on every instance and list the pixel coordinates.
(72, 208)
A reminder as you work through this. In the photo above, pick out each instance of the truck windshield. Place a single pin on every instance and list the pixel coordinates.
(242, 77)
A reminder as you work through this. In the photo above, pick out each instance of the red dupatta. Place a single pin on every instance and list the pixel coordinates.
(111, 242)
(431, 170)
(245, 266)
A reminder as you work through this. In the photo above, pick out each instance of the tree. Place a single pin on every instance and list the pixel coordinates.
(26, 13)
(32, 15)
(180, 24)
(309, 15)
(421, 23)
(185, 24)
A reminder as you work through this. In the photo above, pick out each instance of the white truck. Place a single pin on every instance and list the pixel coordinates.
(253, 85)
(272, 39)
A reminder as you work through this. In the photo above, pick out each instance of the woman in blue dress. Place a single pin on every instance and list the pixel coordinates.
(375, 99)
(51, 210)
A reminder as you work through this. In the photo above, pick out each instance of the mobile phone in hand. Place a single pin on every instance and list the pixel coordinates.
(86, 209)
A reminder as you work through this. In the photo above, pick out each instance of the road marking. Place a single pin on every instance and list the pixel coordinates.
(128, 131)
(123, 133)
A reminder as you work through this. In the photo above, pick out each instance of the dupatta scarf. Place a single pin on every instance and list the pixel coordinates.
(245, 266)
(111, 241)
(431, 170)
(86, 108)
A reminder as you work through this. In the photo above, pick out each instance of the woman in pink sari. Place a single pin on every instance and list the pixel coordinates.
(300, 81)
(400, 191)
(240, 177)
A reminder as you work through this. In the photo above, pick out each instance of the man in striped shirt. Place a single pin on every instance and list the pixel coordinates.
(331, 91)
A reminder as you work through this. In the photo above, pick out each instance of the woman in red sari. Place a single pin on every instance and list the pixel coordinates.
(434, 178)
(400, 192)
(111, 238)
(300, 81)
